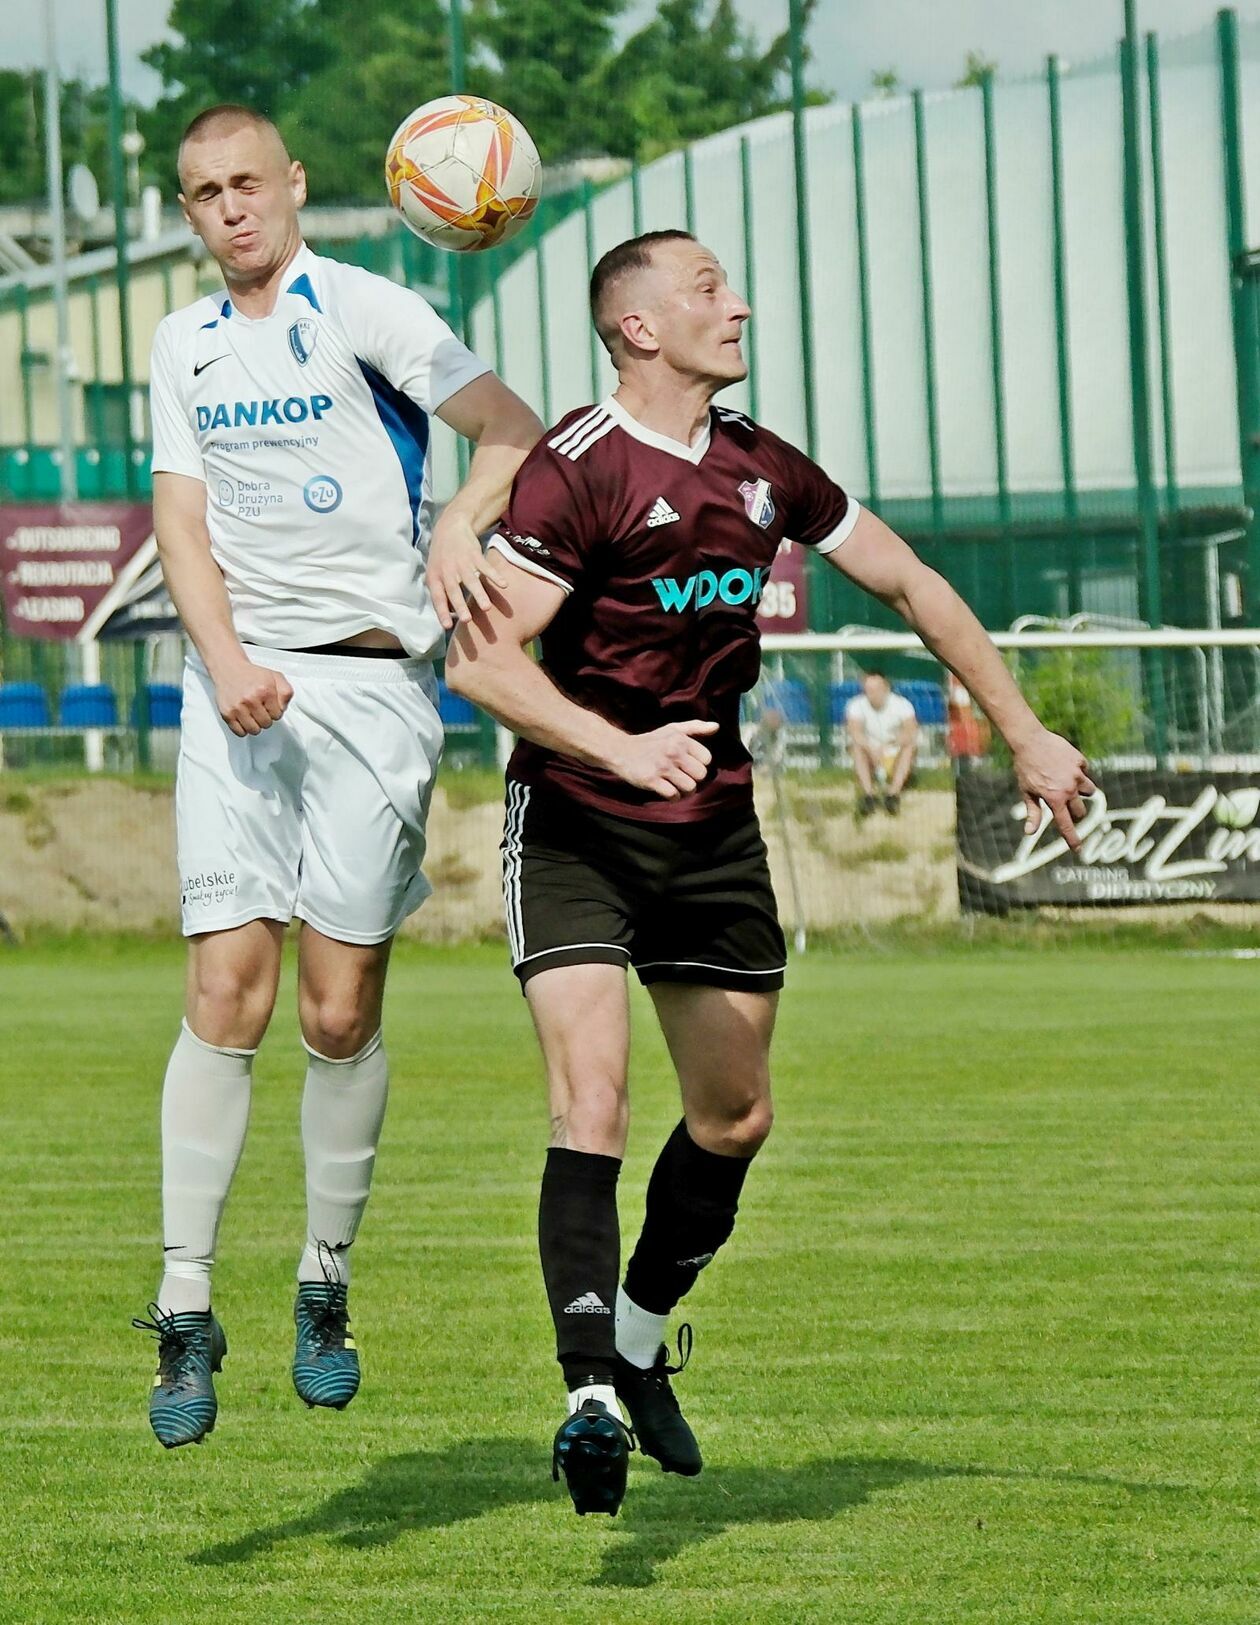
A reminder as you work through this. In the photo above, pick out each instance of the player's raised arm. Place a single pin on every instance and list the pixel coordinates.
(488, 663)
(503, 430)
(1048, 767)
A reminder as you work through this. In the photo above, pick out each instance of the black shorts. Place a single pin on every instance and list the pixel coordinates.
(679, 902)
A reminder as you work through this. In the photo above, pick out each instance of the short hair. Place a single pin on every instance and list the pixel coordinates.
(633, 255)
(224, 117)
(875, 671)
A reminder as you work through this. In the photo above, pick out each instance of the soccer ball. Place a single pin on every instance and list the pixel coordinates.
(463, 173)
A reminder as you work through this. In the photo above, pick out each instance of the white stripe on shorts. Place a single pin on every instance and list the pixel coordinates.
(518, 801)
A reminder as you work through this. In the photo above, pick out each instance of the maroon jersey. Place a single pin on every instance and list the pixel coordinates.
(663, 551)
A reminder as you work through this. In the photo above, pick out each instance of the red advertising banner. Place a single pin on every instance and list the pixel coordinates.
(784, 605)
(58, 562)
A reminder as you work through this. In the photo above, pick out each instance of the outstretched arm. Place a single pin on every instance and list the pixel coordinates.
(503, 430)
(487, 662)
(1047, 767)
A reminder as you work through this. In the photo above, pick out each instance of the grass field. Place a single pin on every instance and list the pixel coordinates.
(983, 1348)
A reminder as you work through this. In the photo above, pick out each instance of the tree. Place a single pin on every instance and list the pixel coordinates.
(976, 70)
(886, 83)
(545, 59)
(259, 52)
(340, 120)
(692, 71)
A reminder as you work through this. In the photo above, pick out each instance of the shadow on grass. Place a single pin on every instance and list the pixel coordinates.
(662, 1515)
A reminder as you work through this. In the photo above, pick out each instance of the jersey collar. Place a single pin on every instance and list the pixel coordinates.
(662, 442)
(297, 279)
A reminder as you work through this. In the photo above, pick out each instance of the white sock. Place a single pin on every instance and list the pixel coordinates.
(604, 1392)
(342, 1110)
(639, 1332)
(205, 1112)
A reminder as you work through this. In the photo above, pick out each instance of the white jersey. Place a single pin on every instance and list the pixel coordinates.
(310, 429)
(882, 727)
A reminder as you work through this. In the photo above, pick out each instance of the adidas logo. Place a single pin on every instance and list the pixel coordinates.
(662, 514)
(588, 1304)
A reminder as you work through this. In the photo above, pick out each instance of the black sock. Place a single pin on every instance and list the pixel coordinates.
(580, 1247)
(692, 1199)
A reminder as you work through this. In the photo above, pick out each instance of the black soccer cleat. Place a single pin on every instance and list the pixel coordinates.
(593, 1448)
(865, 807)
(892, 804)
(659, 1425)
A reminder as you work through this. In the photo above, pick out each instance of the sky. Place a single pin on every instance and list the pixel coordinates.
(925, 41)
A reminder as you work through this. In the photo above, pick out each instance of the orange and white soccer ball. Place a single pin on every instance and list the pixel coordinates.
(463, 173)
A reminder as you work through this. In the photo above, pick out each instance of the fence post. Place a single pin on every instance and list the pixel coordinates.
(864, 307)
(1172, 494)
(996, 356)
(1242, 297)
(804, 271)
(929, 319)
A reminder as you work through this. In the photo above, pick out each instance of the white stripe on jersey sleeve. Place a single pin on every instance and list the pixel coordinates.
(596, 432)
(522, 563)
(563, 440)
(843, 530)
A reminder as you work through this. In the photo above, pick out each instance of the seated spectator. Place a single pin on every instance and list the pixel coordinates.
(883, 736)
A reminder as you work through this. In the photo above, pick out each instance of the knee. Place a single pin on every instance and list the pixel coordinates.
(739, 1132)
(229, 1006)
(336, 1026)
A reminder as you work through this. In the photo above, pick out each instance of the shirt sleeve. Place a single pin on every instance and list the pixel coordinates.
(819, 513)
(549, 528)
(402, 337)
(175, 448)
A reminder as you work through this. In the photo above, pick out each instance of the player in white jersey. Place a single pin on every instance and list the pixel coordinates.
(293, 513)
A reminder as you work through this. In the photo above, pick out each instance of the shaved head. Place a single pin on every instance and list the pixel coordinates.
(226, 120)
(614, 282)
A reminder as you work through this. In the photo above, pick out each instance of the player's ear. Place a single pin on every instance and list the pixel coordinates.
(638, 331)
(183, 209)
(297, 182)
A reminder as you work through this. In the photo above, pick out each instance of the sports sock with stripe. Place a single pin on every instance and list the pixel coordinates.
(343, 1107)
(205, 1112)
(579, 1243)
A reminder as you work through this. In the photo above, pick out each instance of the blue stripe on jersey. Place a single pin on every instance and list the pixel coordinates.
(407, 425)
(302, 285)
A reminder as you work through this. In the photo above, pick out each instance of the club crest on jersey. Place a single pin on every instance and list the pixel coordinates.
(302, 336)
(758, 502)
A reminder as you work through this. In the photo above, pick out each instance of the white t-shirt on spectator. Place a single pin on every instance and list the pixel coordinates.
(882, 727)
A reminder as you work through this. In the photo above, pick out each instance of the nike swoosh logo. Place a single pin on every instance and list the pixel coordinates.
(178, 1247)
(197, 371)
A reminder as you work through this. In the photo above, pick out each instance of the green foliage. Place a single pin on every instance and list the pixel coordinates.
(1086, 695)
(84, 132)
(976, 70)
(259, 52)
(339, 75)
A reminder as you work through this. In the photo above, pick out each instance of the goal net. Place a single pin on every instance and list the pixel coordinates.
(1169, 721)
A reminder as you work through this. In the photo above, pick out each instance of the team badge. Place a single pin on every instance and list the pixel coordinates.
(758, 502)
(302, 336)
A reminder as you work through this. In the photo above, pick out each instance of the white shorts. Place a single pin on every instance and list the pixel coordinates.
(321, 816)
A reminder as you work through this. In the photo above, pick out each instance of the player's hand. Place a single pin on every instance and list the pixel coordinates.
(669, 761)
(250, 698)
(1051, 769)
(457, 566)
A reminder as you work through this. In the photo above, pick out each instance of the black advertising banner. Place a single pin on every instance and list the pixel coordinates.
(1148, 838)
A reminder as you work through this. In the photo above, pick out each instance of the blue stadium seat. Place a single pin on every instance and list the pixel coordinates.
(928, 700)
(23, 705)
(165, 701)
(841, 694)
(88, 705)
(454, 710)
(790, 697)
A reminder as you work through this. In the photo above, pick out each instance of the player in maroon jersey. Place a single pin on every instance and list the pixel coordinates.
(637, 542)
